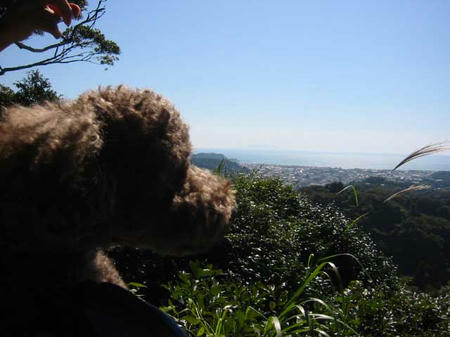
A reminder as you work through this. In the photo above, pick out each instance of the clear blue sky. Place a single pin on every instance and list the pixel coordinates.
(344, 76)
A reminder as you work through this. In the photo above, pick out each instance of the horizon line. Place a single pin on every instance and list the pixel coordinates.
(196, 149)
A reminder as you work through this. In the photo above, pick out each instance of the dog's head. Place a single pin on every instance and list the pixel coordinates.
(162, 201)
(111, 167)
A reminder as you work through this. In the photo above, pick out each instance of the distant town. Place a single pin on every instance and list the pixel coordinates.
(301, 176)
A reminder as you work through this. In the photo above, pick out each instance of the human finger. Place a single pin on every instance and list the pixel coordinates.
(63, 9)
(48, 22)
(76, 10)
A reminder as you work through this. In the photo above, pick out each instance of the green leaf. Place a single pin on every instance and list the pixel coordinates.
(355, 193)
(201, 331)
(136, 285)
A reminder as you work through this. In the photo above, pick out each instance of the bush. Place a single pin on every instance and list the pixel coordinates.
(404, 312)
(276, 229)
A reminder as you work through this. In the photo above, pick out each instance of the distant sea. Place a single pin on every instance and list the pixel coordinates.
(377, 161)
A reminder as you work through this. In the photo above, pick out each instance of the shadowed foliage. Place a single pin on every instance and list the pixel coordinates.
(31, 90)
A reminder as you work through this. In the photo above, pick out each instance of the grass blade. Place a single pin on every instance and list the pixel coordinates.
(354, 222)
(321, 332)
(310, 276)
(273, 322)
(331, 257)
(219, 170)
(355, 193)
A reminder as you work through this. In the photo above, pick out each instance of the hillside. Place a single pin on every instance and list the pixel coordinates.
(440, 179)
(413, 228)
(212, 161)
(271, 267)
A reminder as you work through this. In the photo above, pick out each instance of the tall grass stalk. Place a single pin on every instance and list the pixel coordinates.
(409, 189)
(425, 151)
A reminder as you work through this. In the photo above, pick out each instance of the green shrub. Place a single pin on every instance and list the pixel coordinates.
(276, 229)
(404, 312)
(207, 302)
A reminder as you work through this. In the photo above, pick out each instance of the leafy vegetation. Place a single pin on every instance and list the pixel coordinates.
(208, 303)
(404, 312)
(30, 90)
(287, 267)
(413, 228)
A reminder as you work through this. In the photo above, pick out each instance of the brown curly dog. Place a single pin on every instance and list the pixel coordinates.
(110, 168)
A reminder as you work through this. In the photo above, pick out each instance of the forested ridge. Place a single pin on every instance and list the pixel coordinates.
(413, 228)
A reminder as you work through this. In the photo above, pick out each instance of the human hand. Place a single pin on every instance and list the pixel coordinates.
(63, 9)
(27, 16)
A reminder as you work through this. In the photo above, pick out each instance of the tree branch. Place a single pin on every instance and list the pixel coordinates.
(82, 36)
(40, 50)
(92, 17)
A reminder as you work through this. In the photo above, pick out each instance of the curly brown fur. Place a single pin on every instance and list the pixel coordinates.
(110, 168)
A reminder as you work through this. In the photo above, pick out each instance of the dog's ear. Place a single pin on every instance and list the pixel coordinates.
(146, 146)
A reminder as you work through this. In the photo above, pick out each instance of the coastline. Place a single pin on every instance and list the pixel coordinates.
(365, 161)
